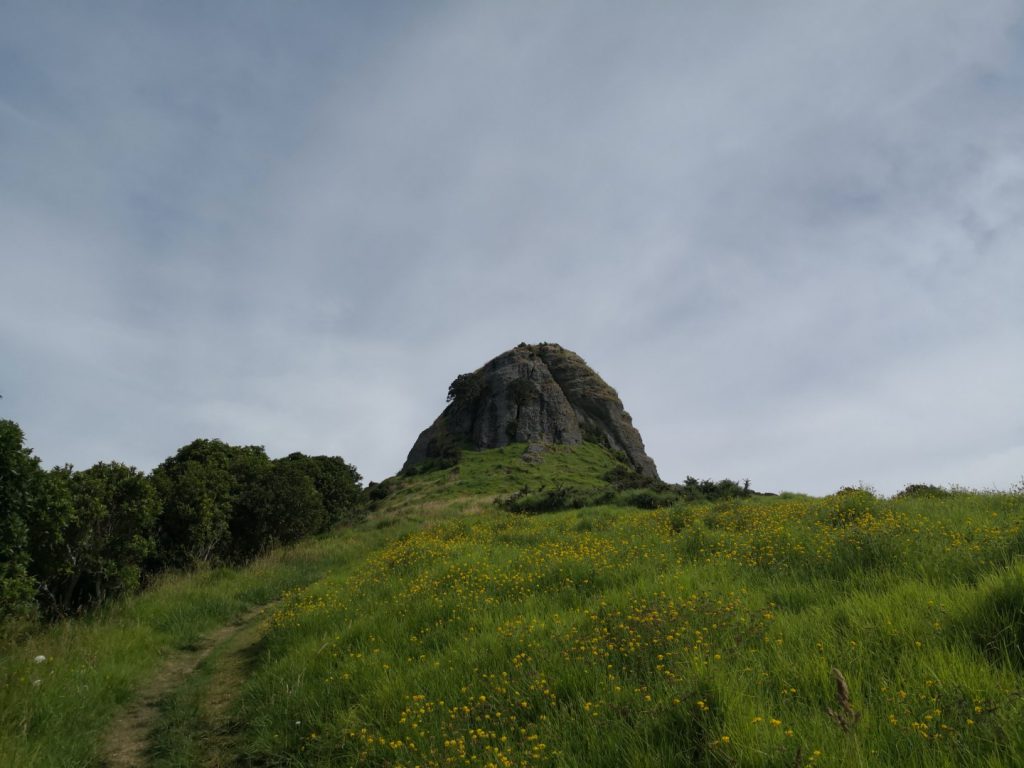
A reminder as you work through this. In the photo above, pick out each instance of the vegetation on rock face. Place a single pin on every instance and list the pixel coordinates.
(466, 390)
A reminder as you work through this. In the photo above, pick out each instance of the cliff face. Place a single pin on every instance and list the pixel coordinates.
(540, 393)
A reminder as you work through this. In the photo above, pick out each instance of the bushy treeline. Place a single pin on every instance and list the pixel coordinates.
(625, 487)
(71, 539)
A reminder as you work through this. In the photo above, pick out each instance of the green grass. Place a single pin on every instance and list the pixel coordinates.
(698, 635)
(471, 486)
(445, 632)
(55, 713)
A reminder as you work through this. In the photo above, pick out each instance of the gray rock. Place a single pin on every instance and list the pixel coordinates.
(535, 393)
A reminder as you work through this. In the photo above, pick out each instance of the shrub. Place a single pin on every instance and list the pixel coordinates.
(693, 489)
(923, 491)
(847, 505)
(646, 498)
(528, 502)
(624, 477)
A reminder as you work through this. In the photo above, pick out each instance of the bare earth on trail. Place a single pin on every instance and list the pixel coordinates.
(128, 738)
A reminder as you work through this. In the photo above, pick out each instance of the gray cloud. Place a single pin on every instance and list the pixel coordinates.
(789, 236)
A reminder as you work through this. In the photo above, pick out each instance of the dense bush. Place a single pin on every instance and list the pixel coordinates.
(99, 537)
(338, 484)
(626, 488)
(201, 489)
(709, 490)
(849, 505)
(527, 502)
(21, 482)
(466, 390)
(624, 476)
(72, 539)
(278, 505)
(923, 491)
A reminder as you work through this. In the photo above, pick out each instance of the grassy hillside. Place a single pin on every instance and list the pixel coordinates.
(58, 711)
(700, 634)
(472, 485)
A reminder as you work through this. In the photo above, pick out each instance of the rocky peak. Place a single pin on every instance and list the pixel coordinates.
(535, 393)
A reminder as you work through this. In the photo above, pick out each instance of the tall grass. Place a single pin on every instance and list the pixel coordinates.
(55, 712)
(700, 635)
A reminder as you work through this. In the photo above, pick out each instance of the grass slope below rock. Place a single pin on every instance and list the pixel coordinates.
(472, 485)
(697, 635)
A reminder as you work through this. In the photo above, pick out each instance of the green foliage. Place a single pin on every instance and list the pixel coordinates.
(700, 634)
(278, 506)
(646, 498)
(625, 487)
(224, 503)
(525, 501)
(623, 476)
(375, 493)
(693, 489)
(57, 713)
(100, 543)
(848, 505)
(703, 634)
(481, 475)
(339, 486)
(70, 540)
(21, 502)
(466, 390)
(53, 550)
(923, 491)
(199, 488)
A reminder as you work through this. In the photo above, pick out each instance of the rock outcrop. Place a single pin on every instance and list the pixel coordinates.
(535, 393)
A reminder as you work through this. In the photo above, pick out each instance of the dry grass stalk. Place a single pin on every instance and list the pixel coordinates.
(846, 716)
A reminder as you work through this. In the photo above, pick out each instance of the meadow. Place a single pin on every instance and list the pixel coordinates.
(698, 635)
(789, 631)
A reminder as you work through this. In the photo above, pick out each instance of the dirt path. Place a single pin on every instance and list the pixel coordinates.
(233, 664)
(128, 737)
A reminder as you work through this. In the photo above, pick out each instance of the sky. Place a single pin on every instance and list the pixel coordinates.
(790, 234)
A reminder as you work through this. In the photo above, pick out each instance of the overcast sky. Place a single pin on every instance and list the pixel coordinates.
(790, 234)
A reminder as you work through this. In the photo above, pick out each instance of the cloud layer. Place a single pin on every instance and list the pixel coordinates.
(790, 237)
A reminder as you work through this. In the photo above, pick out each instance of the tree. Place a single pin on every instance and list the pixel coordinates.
(49, 544)
(20, 495)
(103, 546)
(466, 389)
(337, 482)
(279, 506)
(199, 488)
